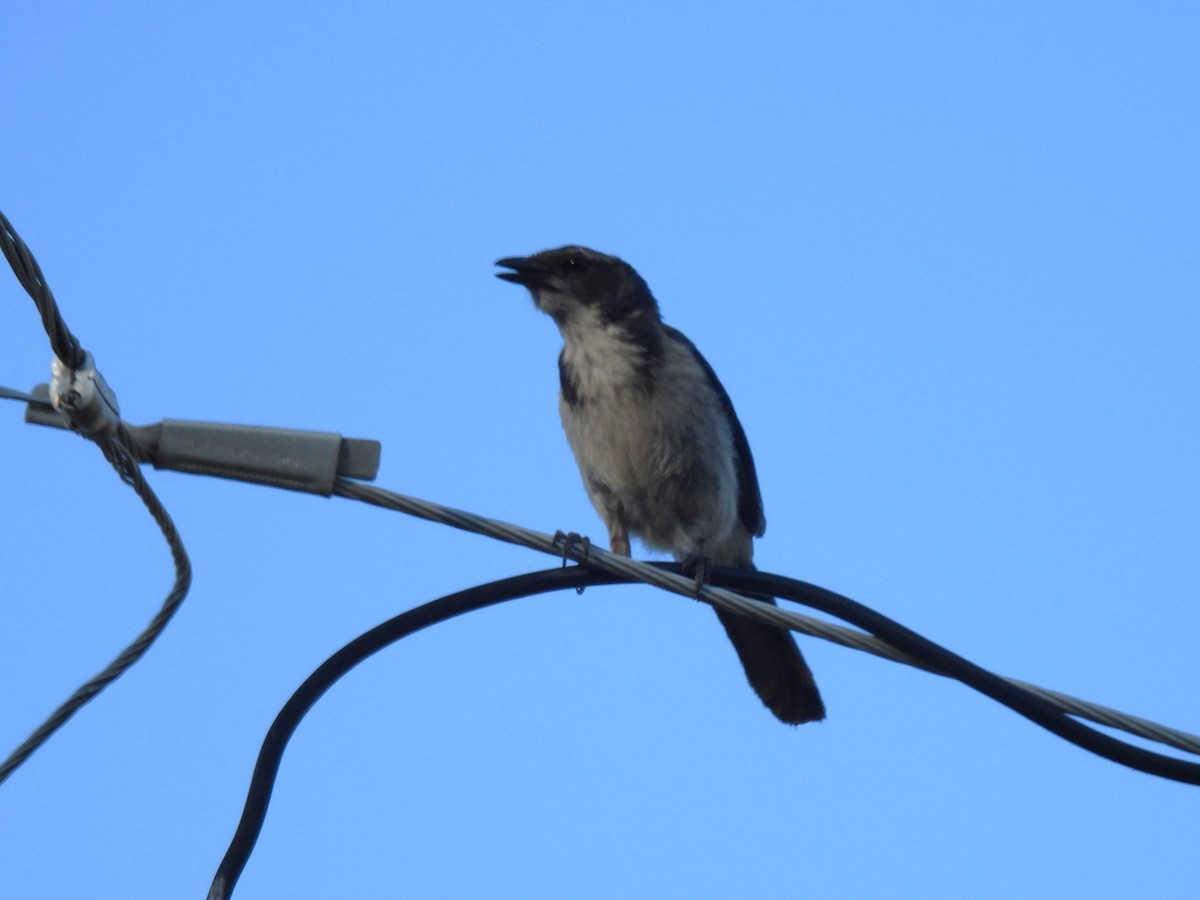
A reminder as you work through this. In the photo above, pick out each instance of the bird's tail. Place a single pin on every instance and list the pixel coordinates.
(775, 667)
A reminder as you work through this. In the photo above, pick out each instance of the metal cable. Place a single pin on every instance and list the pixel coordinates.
(650, 574)
(121, 450)
(64, 344)
(19, 396)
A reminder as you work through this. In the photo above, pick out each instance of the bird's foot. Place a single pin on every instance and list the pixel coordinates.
(570, 540)
(699, 567)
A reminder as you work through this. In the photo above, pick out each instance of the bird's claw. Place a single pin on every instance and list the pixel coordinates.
(699, 567)
(569, 540)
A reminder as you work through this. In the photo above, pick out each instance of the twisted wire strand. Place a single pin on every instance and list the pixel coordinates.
(64, 344)
(650, 574)
(119, 449)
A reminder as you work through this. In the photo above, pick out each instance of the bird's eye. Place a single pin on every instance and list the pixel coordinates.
(572, 262)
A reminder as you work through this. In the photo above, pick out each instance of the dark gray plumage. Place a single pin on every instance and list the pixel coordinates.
(662, 454)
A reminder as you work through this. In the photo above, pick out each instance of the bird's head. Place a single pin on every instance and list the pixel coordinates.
(569, 282)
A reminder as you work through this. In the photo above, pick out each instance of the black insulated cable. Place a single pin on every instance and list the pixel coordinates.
(926, 653)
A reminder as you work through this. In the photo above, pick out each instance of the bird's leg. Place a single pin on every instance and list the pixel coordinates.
(699, 567)
(618, 539)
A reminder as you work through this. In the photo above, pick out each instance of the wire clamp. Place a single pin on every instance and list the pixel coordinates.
(84, 397)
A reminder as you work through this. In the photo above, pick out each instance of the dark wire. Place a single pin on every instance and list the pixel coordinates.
(64, 344)
(930, 655)
(363, 646)
(122, 451)
(945, 662)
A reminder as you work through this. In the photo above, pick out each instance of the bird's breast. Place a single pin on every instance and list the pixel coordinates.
(653, 442)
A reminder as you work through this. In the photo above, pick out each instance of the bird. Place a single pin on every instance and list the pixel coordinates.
(660, 449)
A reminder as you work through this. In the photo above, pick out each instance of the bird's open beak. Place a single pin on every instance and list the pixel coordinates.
(525, 272)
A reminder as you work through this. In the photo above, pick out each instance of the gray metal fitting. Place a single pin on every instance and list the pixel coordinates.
(84, 397)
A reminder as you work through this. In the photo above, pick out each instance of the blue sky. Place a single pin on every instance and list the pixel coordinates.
(944, 258)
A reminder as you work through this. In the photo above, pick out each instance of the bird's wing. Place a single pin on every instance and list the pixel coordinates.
(750, 505)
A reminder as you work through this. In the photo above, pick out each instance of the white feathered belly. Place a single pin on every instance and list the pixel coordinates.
(661, 463)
